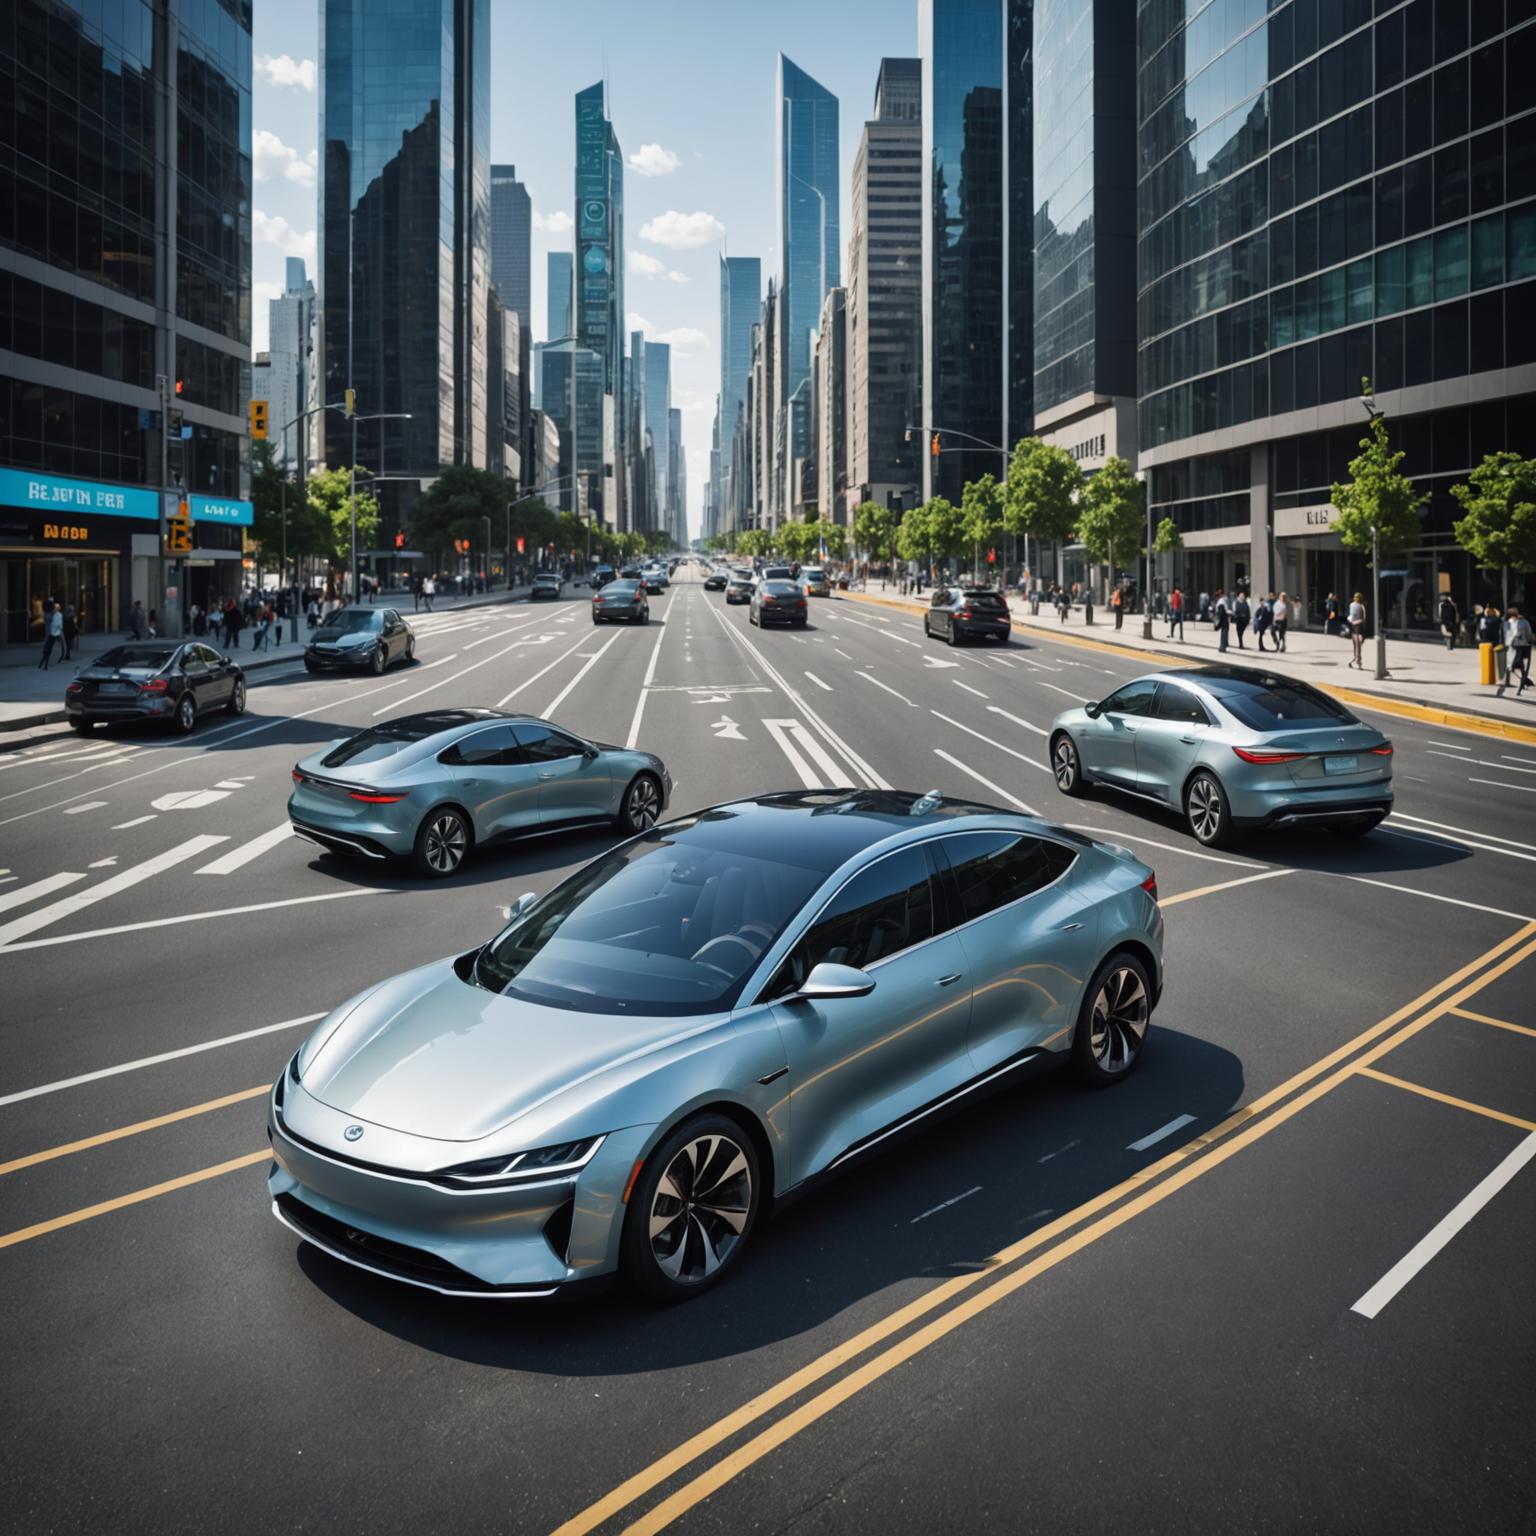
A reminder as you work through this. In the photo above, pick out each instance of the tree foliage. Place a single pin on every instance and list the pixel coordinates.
(946, 527)
(1112, 513)
(1377, 496)
(1168, 538)
(981, 506)
(1498, 502)
(1037, 498)
(874, 530)
(330, 505)
(914, 536)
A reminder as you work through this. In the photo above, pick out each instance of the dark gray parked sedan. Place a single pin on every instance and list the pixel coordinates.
(621, 601)
(700, 1022)
(370, 638)
(433, 786)
(165, 680)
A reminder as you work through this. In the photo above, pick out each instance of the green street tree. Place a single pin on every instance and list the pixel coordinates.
(946, 527)
(752, 542)
(1112, 513)
(1498, 528)
(835, 537)
(331, 506)
(981, 507)
(1038, 496)
(1377, 496)
(874, 531)
(799, 541)
(914, 538)
(1167, 539)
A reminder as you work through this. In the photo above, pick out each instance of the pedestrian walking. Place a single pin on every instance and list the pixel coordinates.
(1356, 618)
(1281, 617)
(53, 631)
(1450, 619)
(1490, 631)
(154, 624)
(1117, 602)
(1263, 617)
(1332, 615)
(215, 622)
(233, 622)
(138, 625)
(1241, 614)
(428, 592)
(1203, 612)
(1087, 605)
(262, 637)
(1063, 603)
(1517, 636)
(1223, 615)
(1176, 613)
(199, 623)
(71, 630)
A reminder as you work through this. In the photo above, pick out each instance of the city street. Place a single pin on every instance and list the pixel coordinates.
(1278, 1279)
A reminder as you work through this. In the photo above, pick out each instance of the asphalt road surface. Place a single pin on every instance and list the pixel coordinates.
(1280, 1279)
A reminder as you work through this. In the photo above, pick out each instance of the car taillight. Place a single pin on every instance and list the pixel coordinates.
(1384, 750)
(1268, 757)
(367, 799)
(298, 778)
(964, 613)
(154, 685)
(75, 687)
(1149, 885)
(767, 602)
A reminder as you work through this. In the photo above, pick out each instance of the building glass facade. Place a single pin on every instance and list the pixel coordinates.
(1019, 117)
(405, 235)
(961, 45)
(655, 416)
(558, 299)
(110, 279)
(741, 286)
(511, 241)
(1331, 191)
(573, 401)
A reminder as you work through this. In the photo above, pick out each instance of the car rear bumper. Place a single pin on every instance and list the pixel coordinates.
(1341, 808)
(990, 629)
(105, 712)
(781, 615)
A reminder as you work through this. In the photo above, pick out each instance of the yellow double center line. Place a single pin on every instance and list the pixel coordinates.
(1168, 1175)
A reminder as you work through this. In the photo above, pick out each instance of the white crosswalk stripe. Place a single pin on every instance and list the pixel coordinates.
(44, 887)
(238, 858)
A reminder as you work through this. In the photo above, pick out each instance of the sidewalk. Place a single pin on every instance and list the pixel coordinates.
(30, 696)
(1425, 682)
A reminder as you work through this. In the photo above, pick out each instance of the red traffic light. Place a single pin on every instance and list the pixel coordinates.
(399, 541)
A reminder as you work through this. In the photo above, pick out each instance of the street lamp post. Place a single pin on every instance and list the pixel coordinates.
(1146, 596)
(352, 490)
(1381, 629)
(986, 447)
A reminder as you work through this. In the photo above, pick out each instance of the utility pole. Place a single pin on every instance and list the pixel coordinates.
(164, 385)
(1381, 628)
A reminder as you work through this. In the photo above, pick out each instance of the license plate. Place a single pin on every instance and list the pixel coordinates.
(1341, 764)
(116, 688)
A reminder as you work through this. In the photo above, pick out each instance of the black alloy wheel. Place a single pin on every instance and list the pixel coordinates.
(642, 804)
(1112, 1023)
(1067, 766)
(186, 714)
(442, 842)
(236, 705)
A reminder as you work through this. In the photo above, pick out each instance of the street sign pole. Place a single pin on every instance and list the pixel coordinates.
(164, 384)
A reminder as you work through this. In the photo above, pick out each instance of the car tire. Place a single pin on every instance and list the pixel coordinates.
(641, 806)
(442, 843)
(952, 637)
(1112, 1022)
(927, 628)
(1067, 766)
(309, 666)
(84, 727)
(410, 651)
(236, 705)
(377, 664)
(595, 621)
(698, 1240)
(185, 717)
(1207, 811)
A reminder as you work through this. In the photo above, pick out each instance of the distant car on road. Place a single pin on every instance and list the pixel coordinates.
(601, 576)
(599, 1089)
(778, 602)
(740, 587)
(155, 680)
(546, 584)
(432, 787)
(654, 579)
(815, 582)
(1233, 748)
(621, 600)
(716, 580)
(370, 638)
(971, 613)
(630, 573)
(776, 573)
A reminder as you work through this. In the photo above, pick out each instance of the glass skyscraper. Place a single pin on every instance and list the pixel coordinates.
(657, 383)
(405, 233)
(573, 399)
(741, 287)
(511, 237)
(810, 245)
(1331, 191)
(558, 299)
(961, 45)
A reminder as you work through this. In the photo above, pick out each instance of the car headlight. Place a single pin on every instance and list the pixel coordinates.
(522, 1167)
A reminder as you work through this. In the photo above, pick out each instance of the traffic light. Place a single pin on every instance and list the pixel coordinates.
(934, 449)
(178, 386)
(258, 421)
(178, 530)
(399, 541)
(351, 401)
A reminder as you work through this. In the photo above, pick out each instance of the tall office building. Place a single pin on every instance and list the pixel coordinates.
(405, 237)
(1085, 230)
(810, 250)
(677, 480)
(124, 259)
(290, 330)
(961, 45)
(741, 298)
(559, 297)
(829, 396)
(574, 400)
(657, 384)
(1327, 195)
(1019, 116)
(511, 241)
(884, 309)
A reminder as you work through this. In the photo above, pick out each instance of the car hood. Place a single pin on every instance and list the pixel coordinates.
(344, 637)
(431, 1055)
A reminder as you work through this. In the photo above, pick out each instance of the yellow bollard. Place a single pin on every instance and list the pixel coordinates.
(1485, 664)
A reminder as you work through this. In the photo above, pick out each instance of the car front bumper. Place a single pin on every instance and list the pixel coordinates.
(340, 661)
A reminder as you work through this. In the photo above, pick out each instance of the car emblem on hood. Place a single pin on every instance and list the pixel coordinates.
(353, 1132)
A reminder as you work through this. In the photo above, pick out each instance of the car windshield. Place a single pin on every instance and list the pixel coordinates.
(1276, 703)
(672, 923)
(136, 658)
(395, 735)
(814, 573)
(352, 621)
(777, 573)
(986, 599)
(779, 589)
(621, 589)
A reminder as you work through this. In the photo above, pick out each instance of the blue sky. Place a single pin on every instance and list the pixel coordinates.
(691, 96)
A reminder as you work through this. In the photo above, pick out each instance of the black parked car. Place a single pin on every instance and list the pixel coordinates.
(778, 602)
(957, 614)
(162, 680)
(374, 638)
(740, 587)
(715, 581)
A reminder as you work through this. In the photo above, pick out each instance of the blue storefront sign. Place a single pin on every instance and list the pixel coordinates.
(49, 493)
(220, 509)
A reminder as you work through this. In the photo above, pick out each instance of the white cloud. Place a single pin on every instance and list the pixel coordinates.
(637, 322)
(645, 265)
(275, 230)
(284, 69)
(683, 231)
(653, 160)
(272, 160)
(557, 223)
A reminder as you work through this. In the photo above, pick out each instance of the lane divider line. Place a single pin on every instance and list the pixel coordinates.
(569, 688)
(997, 789)
(1225, 885)
(1447, 1098)
(1483, 1018)
(1162, 1133)
(982, 736)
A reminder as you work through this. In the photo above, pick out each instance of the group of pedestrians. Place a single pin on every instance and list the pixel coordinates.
(61, 628)
(1510, 636)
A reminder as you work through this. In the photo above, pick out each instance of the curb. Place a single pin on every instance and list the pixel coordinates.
(1364, 698)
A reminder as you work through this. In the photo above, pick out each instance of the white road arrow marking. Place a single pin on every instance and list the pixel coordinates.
(105, 863)
(189, 799)
(230, 784)
(45, 887)
(237, 858)
(938, 662)
(726, 729)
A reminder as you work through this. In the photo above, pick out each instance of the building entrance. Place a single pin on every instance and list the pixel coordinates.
(88, 583)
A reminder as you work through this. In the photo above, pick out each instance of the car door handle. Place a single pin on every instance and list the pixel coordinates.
(1189, 741)
(1069, 928)
(945, 981)
(548, 775)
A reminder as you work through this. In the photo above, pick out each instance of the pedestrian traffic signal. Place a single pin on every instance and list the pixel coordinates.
(258, 421)
(399, 541)
(991, 557)
(934, 449)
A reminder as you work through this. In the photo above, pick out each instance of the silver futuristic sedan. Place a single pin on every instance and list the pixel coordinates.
(433, 786)
(711, 1015)
(1235, 748)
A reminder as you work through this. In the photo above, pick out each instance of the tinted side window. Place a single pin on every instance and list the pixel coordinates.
(542, 745)
(1175, 703)
(993, 868)
(491, 748)
(1134, 699)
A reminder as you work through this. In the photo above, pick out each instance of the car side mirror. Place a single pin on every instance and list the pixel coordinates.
(829, 980)
(519, 906)
(1093, 711)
